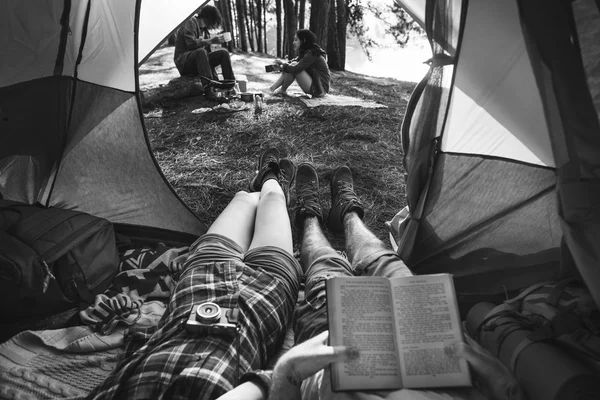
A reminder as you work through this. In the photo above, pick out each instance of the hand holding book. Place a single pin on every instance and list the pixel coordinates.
(401, 327)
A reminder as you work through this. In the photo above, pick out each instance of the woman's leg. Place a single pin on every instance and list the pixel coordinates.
(304, 81)
(272, 225)
(277, 83)
(288, 79)
(236, 221)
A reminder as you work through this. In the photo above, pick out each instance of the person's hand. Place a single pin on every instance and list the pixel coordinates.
(309, 357)
(219, 39)
(493, 378)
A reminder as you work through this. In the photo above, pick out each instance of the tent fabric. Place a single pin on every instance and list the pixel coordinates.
(502, 182)
(423, 124)
(484, 117)
(72, 129)
(587, 22)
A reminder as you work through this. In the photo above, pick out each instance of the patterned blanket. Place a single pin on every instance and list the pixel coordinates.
(144, 274)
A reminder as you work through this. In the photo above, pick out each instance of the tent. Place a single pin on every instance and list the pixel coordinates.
(71, 130)
(501, 138)
(502, 146)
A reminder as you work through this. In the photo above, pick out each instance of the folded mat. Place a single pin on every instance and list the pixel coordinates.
(339, 100)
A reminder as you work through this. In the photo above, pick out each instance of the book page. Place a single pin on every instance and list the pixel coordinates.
(427, 319)
(360, 315)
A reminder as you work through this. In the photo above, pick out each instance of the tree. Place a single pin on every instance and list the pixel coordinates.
(301, 14)
(259, 25)
(291, 25)
(279, 27)
(336, 38)
(397, 22)
(241, 20)
(319, 20)
(224, 8)
(249, 14)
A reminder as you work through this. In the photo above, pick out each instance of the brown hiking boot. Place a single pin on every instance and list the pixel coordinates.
(268, 162)
(286, 175)
(307, 194)
(343, 199)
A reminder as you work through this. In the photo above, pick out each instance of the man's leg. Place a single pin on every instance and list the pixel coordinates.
(318, 259)
(367, 253)
(200, 57)
(221, 57)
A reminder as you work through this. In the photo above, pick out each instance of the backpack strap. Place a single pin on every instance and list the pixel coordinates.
(557, 292)
(527, 292)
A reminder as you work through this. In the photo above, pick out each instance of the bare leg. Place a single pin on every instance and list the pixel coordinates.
(313, 240)
(277, 83)
(304, 81)
(361, 243)
(272, 225)
(288, 79)
(236, 221)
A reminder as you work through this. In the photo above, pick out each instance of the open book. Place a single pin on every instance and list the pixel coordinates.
(400, 327)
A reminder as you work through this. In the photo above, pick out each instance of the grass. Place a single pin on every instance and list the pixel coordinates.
(208, 158)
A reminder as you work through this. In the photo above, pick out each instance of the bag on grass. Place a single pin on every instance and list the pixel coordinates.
(52, 259)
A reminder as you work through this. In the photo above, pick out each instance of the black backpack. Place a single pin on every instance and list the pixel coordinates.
(52, 259)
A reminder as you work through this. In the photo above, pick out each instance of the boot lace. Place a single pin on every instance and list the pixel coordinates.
(307, 198)
(345, 194)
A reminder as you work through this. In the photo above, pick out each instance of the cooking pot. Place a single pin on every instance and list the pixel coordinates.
(247, 97)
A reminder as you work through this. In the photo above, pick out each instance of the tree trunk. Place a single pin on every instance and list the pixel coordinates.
(291, 24)
(319, 20)
(336, 41)
(302, 14)
(259, 27)
(342, 23)
(235, 32)
(265, 24)
(248, 16)
(241, 19)
(223, 7)
(279, 27)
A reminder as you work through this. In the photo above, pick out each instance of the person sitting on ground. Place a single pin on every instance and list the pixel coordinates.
(309, 68)
(299, 373)
(193, 55)
(244, 262)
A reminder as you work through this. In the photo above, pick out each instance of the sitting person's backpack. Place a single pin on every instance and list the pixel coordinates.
(52, 259)
(548, 336)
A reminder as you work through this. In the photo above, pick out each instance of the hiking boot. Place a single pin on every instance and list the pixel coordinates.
(286, 175)
(210, 93)
(343, 199)
(307, 193)
(268, 162)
